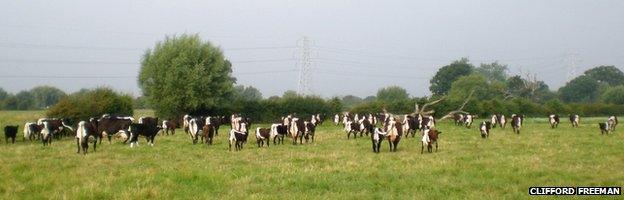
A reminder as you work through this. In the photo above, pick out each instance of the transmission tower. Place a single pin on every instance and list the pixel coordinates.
(571, 61)
(305, 66)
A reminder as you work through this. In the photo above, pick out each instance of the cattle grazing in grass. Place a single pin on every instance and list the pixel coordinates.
(32, 131)
(10, 132)
(84, 131)
(502, 122)
(468, 120)
(430, 136)
(553, 120)
(612, 122)
(516, 122)
(149, 130)
(57, 126)
(263, 135)
(110, 125)
(485, 127)
(169, 127)
(278, 131)
(574, 120)
(238, 137)
(604, 128)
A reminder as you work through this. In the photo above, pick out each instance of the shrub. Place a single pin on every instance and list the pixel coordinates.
(92, 103)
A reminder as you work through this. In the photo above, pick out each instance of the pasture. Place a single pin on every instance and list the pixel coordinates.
(466, 166)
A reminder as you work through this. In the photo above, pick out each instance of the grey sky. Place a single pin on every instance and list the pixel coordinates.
(360, 46)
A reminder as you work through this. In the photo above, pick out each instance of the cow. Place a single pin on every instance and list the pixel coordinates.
(278, 131)
(57, 126)
(494, 121)
(366, 126)
(468, 119)
(84, 131)
(430, 136)
(169, 126)
(149, 130)
(263, 135)
(459, 119)
(336, 119)
(151, 121)
(612, 122)
(553, 120)
(297, 128)
(32, 131)
(485, 127)
(516, 122)
(239, 137)
(186, 123)
(107, 126)
(409, 125)
(10, 132)
(376, 138)
(501, 121)
(426, 122)
(352, 127)
(195, 125)
(208, 131)
(574, 120)
(310, 130)
(47, 133)
(604, 128)
(395, 131)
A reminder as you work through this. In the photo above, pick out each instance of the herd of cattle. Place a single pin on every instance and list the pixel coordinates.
(380, 126)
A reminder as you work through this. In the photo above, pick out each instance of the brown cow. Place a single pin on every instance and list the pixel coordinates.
(263, 135)
(430, 136)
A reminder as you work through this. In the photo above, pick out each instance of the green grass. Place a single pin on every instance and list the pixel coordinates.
(465, 167)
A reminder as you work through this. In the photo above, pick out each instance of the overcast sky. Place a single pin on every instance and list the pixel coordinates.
(358, 46)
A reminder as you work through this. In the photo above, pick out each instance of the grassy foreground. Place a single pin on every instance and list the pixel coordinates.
(466, 166)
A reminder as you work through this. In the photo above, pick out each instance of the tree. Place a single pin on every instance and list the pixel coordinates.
(606, 74)
(4, 95)
(25, 101)
(441, 82)
(349, 101)
(184, 74)
(92, 103)
(392, 94)
(493, 71)
(290, 94)
(477, 82)
(248, 93)
(614, 95)
(46, 96)
(581, 89)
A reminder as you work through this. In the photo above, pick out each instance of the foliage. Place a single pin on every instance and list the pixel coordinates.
(46, 96)
(614, 95)
(581, 89)
(441, 82)
(493, 71)
(248, 93)
(606, 74)
(92, 103)
(392, 94)
(349, 101)
(184, 74)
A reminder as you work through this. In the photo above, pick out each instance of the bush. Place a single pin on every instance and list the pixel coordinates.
(92, 103)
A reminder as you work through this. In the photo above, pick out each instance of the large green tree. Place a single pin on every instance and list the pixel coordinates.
(581, 89)
(614, 95)
(248, 93)
(46, 96)
(441, 82)
(184, 74)
(493, 71)
(392, 94)
(606, 74)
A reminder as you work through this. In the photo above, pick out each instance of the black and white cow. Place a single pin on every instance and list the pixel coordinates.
(111, 125)
(553, 120)
(297, 130)
(468, 120)
(352, 127)
(516, 122)
(426, 122)
(278, 131)
(57, 126)
(485, 127)
(195, 128)
(10, 132)
(336, 119)
(84, 131)
(612, 122)
(239, 137)
(604, 128)
(310, 131)
(32, 131)
(574, 120)
(186, 123)
(494, 121)
(169, 126)
(410, 125)
(149, 130)
(502, 122)
(376, 138)
(263, 135)
(459, 119)
(47, 133)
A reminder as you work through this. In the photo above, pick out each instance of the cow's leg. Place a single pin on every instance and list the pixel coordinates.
(436, 146)
(78, 144)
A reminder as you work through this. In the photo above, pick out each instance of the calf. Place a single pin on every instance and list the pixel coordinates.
(553, 120)
(430, 136)
(376, 138)
(278, 131)
(238, 137)
(84, 131)
(169, 126)
(516, 123)
(604, 128)
(263, 135)
(485, 129)
(574, 120)
(148, 130)
(612, 122)
(10, 132)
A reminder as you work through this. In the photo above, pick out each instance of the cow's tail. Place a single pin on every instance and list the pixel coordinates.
(27, 131)
(68, 127)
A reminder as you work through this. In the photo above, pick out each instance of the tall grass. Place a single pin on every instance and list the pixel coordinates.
(466, 166)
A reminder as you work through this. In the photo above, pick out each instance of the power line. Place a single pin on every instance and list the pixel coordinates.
(74, 47)
(359, 74)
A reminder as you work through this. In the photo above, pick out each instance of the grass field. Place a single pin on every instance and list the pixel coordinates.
(465, 167)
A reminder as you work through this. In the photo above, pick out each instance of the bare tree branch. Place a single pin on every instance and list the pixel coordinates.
(461, 108)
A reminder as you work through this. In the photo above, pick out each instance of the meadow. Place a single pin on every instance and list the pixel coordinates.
(465, 166)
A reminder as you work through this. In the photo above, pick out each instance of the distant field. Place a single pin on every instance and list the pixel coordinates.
(466, 166)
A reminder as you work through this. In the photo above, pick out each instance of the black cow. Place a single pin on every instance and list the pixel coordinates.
(574, 120)
(84, 131)
(485, 127)
(553, 120)
(148, 130)
(352, 127)
(604, 129)
(278, 131)
(376, 138)
(310, 130)
(239, 137)
(10, 132)
(516, 123)
(108, 125)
